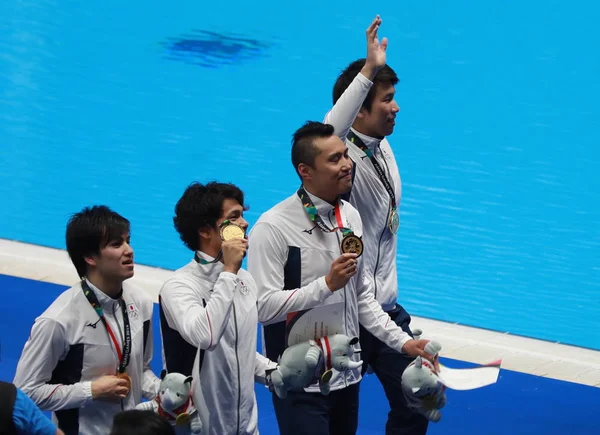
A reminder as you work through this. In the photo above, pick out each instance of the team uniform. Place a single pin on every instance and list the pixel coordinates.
(69, 347)
(376, 194)
(289, 257)
(209, 327)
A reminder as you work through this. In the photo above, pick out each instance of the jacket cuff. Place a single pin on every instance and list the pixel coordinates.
(324, 291)
(87, 392)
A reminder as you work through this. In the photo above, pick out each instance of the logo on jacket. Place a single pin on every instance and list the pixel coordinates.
(133, 311)
(310, 231)
(93, 325)
(243, 288)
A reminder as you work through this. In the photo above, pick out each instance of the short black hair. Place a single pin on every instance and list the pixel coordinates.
(303, 148)
(201, 206)
(90, 230)
(385, 76)
(140, 422)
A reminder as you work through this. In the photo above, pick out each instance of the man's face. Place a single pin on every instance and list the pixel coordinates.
(332, 169)
(380, 120)
(114, 262)
(232, 211)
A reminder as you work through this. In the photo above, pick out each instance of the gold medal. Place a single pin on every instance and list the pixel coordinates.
(232, 231)
(127, 378)
(352, 244)
(182, 419)
(326, 376)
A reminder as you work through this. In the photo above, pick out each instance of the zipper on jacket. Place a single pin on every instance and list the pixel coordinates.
(385, 225)
(237, 359)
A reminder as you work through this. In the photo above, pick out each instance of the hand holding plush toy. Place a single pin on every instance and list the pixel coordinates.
(304, 363)
(422, 387)
(174, 402)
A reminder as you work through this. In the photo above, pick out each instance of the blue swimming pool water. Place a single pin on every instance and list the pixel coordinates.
(125, 103)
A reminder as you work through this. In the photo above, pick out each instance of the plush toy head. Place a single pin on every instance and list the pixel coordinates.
(174, 390)
(422, 387)
(342, 349)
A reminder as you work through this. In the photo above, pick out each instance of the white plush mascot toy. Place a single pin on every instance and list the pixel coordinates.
(174, 402)
(422, 387)
(304, 363)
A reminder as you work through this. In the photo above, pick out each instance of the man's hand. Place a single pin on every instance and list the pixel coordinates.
(342, 269)
(109, 388)
(233, 254)
(376, 51)
(416, 348)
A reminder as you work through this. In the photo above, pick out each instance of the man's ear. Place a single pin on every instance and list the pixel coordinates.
(305, 171)
(362, 113)
(90, 261)
(205, 233)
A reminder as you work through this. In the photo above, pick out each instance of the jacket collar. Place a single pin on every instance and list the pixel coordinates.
(106, 302)
(371, 142)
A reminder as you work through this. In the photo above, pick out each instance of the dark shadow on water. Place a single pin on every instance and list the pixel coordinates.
(213, 50)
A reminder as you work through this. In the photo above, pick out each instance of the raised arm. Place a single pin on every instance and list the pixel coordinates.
(345, 110)
(200, 322)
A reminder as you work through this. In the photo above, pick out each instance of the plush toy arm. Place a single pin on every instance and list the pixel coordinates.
(150, 405)
(313, 355)
(196, 424)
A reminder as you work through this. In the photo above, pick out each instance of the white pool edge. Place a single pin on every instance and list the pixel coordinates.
(526, 355)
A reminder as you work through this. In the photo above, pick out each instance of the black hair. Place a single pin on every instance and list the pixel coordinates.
(90, 230)
(385, 76)
(303, 148)
(201, 206)
(140, 422)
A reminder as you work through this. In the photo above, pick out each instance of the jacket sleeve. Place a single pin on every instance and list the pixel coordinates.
(261, 366)
(345, 110)
(374, 319)
(201, 326)
(46, 346)
(267, 257)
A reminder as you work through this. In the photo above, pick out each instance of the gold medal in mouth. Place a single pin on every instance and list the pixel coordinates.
(232, 231)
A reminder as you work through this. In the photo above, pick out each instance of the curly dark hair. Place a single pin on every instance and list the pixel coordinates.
(200, 207)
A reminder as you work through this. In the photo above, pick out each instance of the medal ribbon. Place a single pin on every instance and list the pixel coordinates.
(93, 300)
(352, 137)
(314, 216)
(203, 261)
(172, 415)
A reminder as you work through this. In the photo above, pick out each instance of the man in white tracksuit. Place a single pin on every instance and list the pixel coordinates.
(209, 314)
(88, 355)
(299, 255)
(363, 115)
